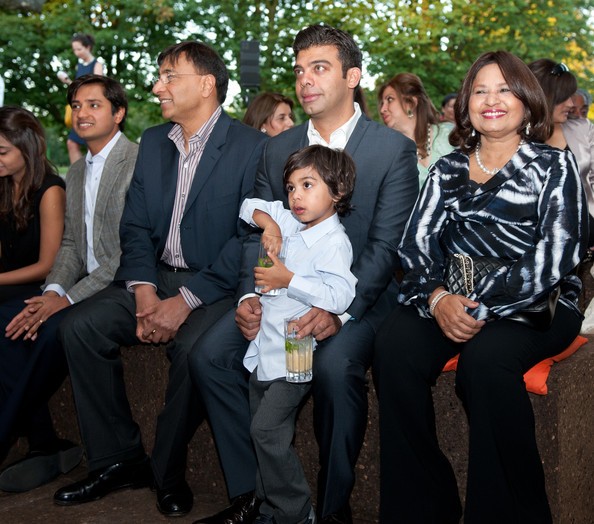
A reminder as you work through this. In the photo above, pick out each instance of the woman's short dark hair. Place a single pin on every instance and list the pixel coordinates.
(112, 90)
(205, 59)
(84, 39)
(262, 107)
(336, 168)
(522, 83)
(557, 82)
(20, 127)
(410, 91)
(316, 35)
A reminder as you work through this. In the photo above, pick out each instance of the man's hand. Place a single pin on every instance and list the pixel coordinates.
(248, 316)
(159, 321)
(319, 323)
(454, 321)
(35, 313)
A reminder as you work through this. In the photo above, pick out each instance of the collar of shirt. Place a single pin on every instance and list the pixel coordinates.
(198, 139)
(339, 137)
(311, 235)
(104, 153)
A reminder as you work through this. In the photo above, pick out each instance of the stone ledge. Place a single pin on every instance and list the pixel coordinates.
(564, 424)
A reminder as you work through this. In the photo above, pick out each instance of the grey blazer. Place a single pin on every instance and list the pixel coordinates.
(70, 266)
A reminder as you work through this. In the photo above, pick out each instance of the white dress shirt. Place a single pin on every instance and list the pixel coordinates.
(320, 258)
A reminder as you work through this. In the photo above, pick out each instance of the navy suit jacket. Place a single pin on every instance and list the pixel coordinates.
(210, 227)
(386, 189)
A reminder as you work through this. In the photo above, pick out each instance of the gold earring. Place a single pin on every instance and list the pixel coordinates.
(410, 113)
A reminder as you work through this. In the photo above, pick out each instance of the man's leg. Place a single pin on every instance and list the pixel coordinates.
(183, 410)
(91, 336)
(340, 411)
(216, 367)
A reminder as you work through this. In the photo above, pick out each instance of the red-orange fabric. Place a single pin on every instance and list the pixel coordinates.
(536, 377)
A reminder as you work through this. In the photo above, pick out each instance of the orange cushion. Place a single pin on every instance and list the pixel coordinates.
(536, 377)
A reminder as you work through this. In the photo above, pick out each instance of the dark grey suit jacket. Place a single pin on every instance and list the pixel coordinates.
(385, 191)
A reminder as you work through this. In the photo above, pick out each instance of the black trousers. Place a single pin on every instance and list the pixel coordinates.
(92, 336)
(30, 373)
(505, 474)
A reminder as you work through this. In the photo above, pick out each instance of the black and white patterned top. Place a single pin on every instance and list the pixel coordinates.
(532, 213)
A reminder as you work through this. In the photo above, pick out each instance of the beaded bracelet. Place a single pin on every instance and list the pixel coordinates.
(437, 298)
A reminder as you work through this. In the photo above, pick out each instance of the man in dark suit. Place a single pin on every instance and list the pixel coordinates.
(178, 274)
(327, 71)
(85, 264)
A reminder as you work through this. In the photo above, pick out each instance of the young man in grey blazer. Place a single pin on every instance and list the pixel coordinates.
(86, 263)
(327, 72)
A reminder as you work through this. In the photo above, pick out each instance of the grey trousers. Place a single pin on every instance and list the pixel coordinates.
(280, 480)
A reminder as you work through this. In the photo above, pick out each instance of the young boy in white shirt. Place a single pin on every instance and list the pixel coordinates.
(316, 273)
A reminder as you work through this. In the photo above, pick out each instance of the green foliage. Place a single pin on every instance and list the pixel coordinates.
(438, 40)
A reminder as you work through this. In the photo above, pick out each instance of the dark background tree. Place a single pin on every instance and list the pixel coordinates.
(437, 40)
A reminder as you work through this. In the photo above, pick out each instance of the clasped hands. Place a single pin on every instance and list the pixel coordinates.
(34, 314)
(451, 316)
(157, 321)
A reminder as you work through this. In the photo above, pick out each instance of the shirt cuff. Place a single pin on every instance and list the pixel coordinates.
(247, 295)
(192, 300)
(345, 317)
(56, 288)
(131, 283)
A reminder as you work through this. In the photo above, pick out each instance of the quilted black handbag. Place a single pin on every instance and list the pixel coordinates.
(463, 271)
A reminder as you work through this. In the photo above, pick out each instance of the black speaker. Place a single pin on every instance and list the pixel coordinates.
(249, 64)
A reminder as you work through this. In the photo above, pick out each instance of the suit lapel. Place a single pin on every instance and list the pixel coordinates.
(109, 177)
(357, 135)
(210, 157)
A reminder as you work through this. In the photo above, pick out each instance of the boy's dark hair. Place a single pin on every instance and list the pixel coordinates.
(336, 168)
(349, 53)
(205, 60)
(112, 90)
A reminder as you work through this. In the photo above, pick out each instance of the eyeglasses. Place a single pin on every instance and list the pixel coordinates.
(170, 76)
(559, 69)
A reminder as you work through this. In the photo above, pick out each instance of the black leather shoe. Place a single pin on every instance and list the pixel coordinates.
(39, 467)
(344, 516)
(175, 502)
(136, 474)
(243, 510)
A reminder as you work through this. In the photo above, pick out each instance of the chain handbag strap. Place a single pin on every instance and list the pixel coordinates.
(468, 271)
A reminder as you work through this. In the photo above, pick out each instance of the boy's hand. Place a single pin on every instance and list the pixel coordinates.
(275, 277)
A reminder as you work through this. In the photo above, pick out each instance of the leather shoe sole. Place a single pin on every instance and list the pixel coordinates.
(132, 475)
(243, 510)
(175, 502)
(37, 469)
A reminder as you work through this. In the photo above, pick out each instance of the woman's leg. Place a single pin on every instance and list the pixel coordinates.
(417, 481)
(505, 475)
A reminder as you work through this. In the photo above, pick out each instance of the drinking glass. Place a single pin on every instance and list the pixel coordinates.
(298, 352)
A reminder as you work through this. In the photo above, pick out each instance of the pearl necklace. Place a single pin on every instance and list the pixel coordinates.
(427, 145)
(489, 172)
